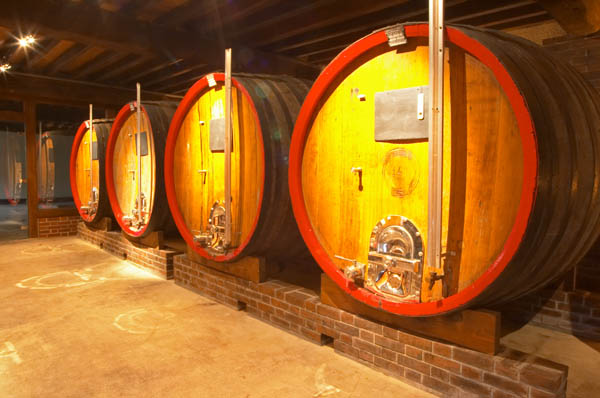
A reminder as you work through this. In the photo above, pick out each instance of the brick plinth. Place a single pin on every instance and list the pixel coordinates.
(441, 368)
(58, 226)
(158, 262)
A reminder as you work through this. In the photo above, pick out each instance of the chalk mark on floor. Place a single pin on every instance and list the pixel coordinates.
(10, 352)
(323, 389)
(143, 321)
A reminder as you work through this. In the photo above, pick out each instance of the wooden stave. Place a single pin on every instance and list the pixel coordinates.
(102, 128)
(542, 217)
(282, 250)
(482, 299)
(542, 266)
(159, 114)
(276, 221)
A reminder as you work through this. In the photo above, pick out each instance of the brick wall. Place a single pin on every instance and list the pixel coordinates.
(441, 368)
(58, 226)
(156, 261)
(576, 312)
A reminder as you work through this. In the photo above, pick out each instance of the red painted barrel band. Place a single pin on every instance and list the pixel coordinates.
(180, 114)
(73, 173)
(120, 120)
(528, 194)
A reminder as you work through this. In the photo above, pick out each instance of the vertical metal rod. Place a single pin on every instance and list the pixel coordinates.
(91, 142)
(436, 131)
(228, 139)
(139, 150)
(39, 159)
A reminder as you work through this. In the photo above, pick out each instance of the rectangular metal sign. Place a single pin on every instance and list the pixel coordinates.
(402, 115)
(143, 143)
(217, 135)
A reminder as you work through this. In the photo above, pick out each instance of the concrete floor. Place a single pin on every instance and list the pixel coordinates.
(13, 222)
(76, 322)
(581, 356)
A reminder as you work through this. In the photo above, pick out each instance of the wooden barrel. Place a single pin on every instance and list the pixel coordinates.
(12, 158)
(89, 194)
(54, 150)
(263, 113)
(127, 181)
(520, 175)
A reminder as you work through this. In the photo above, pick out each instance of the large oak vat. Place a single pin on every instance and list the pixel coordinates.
(89, 194)
(520, 179)
(123, 171)
(264, 109)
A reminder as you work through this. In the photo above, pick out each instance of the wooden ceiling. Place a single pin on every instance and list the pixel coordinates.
(168, 44)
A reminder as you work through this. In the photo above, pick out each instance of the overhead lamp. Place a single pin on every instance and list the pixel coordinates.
(5, 67)
(26, 41)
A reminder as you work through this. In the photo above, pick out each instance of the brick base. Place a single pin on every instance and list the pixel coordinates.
(158, 262)
(58, 226)
(440, 368)
(576, 312)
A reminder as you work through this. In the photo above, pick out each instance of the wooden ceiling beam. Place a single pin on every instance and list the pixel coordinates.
(149, 71)
(283, 11)
(326, 49)
(324, 57)
(519, 21)
(66, 58)
(579, 17)
(51, 90)
(99, 63)
(182, 83)
(320, 40)
(328, 14)
(193, 9)
(154, 9)
(506, 15)
(86, 57)
(36, 54)
(89, 24)
(112, 5)
(235, 11)
(173, 74)
(125, 67)
(412, 10)
(498, 6)
(186, 82)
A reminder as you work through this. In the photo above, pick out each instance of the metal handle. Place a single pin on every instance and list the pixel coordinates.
(204, 173)
(358, 170)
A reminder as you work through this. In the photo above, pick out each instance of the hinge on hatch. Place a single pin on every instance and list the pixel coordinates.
(396, 35)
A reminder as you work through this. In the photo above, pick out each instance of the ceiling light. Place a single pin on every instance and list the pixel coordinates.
(26, 41)
(4, 67)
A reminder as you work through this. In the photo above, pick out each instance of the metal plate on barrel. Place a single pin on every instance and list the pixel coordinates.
(217, 135)
(94, 150)
(143, 143)
(402, 114)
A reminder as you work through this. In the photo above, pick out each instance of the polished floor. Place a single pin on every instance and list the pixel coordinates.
(77, 322)
(580, 355)
(13, 221)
